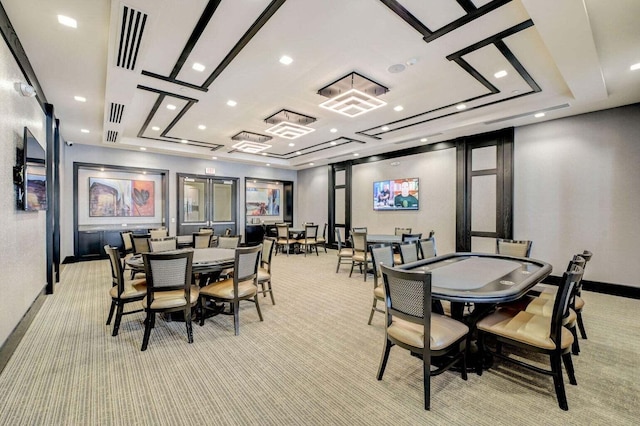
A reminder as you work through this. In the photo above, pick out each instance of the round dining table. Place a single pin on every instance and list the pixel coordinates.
(383, 239)
(205, 260)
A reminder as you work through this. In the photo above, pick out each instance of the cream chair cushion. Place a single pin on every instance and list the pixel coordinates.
(263, 275)
(132, 289)
(171, 299)
(444, 332)
(378, 292)
(224, 289)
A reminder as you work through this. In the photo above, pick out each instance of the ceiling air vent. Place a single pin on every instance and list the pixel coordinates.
(112, 135)
(131, 30)
(115, 113)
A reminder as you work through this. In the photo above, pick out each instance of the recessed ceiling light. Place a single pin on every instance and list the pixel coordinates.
(332, 143)
(311, 164)
(384, 128)
(214, 158)
(202, 127)
(231, 103)
(142, 148)
(298, 153)
(285, 60)
(198, 67)
(84, 130)
(635, 67)
(355, 154)
(68, 22)
(292, 144)
(538, 115)
(184, 141)
(333, 130)
(156, 128)
(461, 107)
(102, 169)
(144, 172)
(171, 107)
(500, 74)
(398, 108)
(264, 153)
(80, 98)
(267, 164)
(423, 140)
(515, 92)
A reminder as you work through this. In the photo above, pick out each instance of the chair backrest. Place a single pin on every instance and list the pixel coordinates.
(517, 248)
(127, 241)
(307, 223)
(214, 241)
(117, 278)
(408, 296)
(267, 252)
(158, 233)
(310, 232)
(246, 265)
(411, 237)
(359, 229)
(324, 231)
(206, 230)
(227, 232)
(380, 254)
(427, 248)
(400, 231)
(359, 241)
(141, 243)
(341, 244)
(202, 239)
(283, 231)
(163, 244)
(228, 242)
(571, 278)
(168, 271)
(408, 251)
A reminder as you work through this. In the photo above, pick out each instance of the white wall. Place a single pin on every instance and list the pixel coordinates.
(22, 234)
(577, 185)
(311, 204)
(110, 156)
(437, 195)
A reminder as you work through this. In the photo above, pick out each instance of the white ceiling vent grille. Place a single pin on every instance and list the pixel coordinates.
(115, 113)
(112, 136)
(131, 30)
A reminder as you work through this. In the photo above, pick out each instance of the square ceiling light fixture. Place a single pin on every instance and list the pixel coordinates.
(251, 143)
(289, 124)
(353, 95)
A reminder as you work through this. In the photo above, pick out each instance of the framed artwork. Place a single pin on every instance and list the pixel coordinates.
(121, 197)
(263, 202)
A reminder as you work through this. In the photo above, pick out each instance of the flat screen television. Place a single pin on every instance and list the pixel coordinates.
(31, 174)
(396, 194)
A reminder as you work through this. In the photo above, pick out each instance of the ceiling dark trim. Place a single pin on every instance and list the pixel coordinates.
(403, 13)
(212, 146)
(152, 112)
(174, 81)
(13, 42)
(177, 118)
(467, 5)
(310, 150)
(206, 16)
(466, 19)
(164, 92)
(245, 39)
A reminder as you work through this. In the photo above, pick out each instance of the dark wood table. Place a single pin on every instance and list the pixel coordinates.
(205, 260)
(383, 239)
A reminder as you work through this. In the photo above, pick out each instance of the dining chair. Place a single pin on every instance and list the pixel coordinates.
(127, 250)
(411, 325)
(427, 248)
(158, 233)
(169, 289)
(310, 239)
(122, 291)
(380, 254)
(283, 237)
(206, 229)
(242, 286)
(322, 239)
(201, 239)
(408, 251)
(399, 231)
(360, 255)
(141, 243)
(264, 271)
(536, 333)
(228, 242)
(227, 232)
(406, 238)
(163, 244)
(359, 229)
(344, 253)
(517, 248)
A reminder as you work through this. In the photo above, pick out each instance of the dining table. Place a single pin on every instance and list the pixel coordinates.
(383, 239)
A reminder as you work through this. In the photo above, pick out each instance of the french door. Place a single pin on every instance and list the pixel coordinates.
(207, 202)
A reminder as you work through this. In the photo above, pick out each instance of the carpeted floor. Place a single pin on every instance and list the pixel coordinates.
(313, 361)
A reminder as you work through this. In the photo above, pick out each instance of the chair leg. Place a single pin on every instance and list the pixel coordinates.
(111, 310)
(373, 309)
(338, 267)
(575, 346)
(273, 301)
(236, 316)
(556, 368)
(481, 350)
(426, 381)
(148, 325)
(202, 303)
(385, 358)
(187, 320)
(583, 332)
(258, 307)
(568, 365)
(352, 265)
(116, 324)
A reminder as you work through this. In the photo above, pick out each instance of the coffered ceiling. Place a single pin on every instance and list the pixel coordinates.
(427, 70)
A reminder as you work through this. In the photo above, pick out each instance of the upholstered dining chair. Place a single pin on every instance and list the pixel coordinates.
(163, 244)
(360, 255)
(380, 254)
(536, 333)
(122, 291)
(127, 249)
(407, 238)
(344, 253)
(228, 242)
(517, 248)
(359, 229)
(427, 248)
(399, 231)
(242, 286)
(158, 233)
(264, 271)
(309, 242)
(283, 237)
(411, 325)
(169, 289)
(201, 239)
(141, 243)
(408, 251)
(322, 239)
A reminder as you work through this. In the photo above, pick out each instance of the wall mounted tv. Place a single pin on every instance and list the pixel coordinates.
(396, 194)
(30, 175)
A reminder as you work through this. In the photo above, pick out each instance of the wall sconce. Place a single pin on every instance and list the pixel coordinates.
(25, 90)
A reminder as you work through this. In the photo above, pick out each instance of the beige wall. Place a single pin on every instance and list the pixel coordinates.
(312, 202)
(22, 234)
(577, 187)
